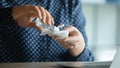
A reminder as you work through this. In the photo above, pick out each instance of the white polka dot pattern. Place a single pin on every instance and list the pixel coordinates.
(18, 44)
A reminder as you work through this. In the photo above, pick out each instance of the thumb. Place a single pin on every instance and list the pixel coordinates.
(71, 30)
(74, 33)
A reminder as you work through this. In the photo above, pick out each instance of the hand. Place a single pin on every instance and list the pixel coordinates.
(74, 43)
(24, 15)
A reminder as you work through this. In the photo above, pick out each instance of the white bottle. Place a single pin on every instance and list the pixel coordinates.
(51, 29)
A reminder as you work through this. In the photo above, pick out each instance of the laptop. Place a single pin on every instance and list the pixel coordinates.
(104, 64)
(116, 60)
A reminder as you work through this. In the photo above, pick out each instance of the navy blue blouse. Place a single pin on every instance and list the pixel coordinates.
(20, 44)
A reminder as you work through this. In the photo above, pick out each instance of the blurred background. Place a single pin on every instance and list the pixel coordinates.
(103, 27)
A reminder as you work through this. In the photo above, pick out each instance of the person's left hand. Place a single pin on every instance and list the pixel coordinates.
(74, 42)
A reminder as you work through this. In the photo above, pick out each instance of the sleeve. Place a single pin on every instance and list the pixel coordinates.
(6, 19)
(86, 55)
(77, 18)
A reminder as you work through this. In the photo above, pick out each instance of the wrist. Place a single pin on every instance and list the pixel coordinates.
(76, 50)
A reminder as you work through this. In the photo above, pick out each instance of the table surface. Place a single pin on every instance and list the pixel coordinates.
(56, 65)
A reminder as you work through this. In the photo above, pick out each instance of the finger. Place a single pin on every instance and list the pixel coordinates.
(72, 43)
(43, 13)
(74, 33)
(70, 29)
(72, 39)
(52, 21)
(31, 16)
(48, 18)
(37, 10)
(34, 9)
(65, 44)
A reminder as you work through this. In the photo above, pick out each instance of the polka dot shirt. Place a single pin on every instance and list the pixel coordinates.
(20, 44)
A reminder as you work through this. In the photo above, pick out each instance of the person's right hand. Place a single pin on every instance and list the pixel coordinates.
(24, 15)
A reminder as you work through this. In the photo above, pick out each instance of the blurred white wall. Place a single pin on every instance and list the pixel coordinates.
(103, 28)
